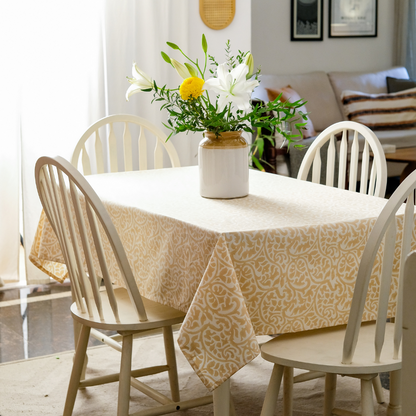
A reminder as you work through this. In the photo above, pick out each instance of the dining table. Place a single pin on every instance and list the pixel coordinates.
(282, 259)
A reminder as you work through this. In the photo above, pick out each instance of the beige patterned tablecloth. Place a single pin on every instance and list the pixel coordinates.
(283, 259)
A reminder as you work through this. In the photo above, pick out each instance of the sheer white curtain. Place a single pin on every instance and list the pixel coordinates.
(11, 40)
(71, 60)
(405, 39)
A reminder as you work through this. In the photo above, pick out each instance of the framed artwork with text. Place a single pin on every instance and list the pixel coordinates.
(352, 18)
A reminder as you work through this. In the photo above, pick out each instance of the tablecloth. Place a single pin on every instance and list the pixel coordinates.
(283, 259)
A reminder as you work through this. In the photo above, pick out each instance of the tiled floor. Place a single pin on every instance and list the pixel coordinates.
(35, 321)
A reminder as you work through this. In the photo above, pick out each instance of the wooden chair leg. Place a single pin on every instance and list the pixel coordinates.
(394, 408)
(288, 391)
(77, 331)
(125, 375)
(330, 390)
(232, 407)
(77, 370)
(269, 405)
(367, 402)
(222, 399)
(378, 389)
(171, 361)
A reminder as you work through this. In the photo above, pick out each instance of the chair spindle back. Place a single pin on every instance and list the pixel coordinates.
(80, 222)
(96, 154)
(373, 172)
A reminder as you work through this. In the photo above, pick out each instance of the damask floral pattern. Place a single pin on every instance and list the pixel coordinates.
(283, 259)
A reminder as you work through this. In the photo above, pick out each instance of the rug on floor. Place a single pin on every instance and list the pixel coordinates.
(37, 387)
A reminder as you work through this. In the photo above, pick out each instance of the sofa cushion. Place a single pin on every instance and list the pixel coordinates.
(368, 82)
(314, 87)
(396, 111)
(289, 94)
(399, 84)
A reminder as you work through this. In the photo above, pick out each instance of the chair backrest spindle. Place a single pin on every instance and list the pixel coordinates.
(330, 166)
(128, 151)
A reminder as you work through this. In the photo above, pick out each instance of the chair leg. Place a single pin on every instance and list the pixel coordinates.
(171, 361)
(269, 405)
(77, 368)
(288, 391)
(330, 390)
(395, 408)
(77, 331)
(222, 399)
(125, 375)
(378, 389)
(232, 407)
(367, 402)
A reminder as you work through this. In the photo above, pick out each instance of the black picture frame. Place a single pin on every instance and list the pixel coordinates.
(352, 18)
(306, 20)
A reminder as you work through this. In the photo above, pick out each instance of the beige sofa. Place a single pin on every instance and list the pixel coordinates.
(322, 91)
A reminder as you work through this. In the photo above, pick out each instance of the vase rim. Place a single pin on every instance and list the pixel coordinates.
(224, 133)
(225, 140)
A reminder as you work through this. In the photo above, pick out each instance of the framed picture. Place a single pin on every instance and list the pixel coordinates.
(352, 18)
(306, 20)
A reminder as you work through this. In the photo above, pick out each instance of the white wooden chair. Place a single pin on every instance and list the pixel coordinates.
(102, 155)
(370, 171)
(81, 222)
(372, 177)
(103, 139)
(361, 350)
(409, 337)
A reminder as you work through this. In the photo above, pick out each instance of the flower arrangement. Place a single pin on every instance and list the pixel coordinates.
(222, 102)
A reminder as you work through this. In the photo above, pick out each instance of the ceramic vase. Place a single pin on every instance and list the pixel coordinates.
(223, 165)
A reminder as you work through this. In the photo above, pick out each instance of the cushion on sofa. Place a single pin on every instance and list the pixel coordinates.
(399, 84)
(314, 87)
(396, 111)
(368, 82)
(289, 94)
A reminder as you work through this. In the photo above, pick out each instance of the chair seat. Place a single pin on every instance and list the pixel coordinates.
(158, 315)
(320, 350)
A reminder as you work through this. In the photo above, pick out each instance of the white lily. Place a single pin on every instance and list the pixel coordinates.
(232, 87)
(140, 81)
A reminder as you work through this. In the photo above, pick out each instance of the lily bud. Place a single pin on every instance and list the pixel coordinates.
(180, 69)
(165, 57)
(172, 45)
(192, 70)
(250, 63)
(204, 44)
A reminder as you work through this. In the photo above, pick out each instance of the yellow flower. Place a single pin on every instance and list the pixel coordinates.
(191, 88)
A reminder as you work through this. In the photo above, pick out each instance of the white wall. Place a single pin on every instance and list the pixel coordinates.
(273, 50)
